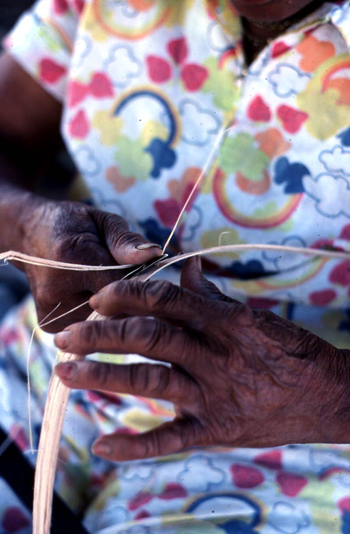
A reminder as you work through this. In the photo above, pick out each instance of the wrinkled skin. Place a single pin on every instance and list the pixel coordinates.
(238, 377)
(72, 232)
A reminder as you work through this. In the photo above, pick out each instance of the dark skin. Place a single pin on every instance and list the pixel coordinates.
(238, 377)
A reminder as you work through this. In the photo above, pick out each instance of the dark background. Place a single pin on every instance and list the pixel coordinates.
(10, 10)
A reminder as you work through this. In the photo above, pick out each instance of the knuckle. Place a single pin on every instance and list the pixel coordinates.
(152, 380)
(160, 295)
(152, 445)
(99, 374)
(153, 334)
(129, 329)
(89, 333)
(124, 237)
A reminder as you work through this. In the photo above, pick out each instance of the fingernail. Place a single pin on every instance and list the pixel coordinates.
(102, 447)
(62, 339)
(66, 370)
(146, 246)
(94, 302)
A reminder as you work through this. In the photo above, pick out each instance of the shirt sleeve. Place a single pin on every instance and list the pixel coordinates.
(42, 42)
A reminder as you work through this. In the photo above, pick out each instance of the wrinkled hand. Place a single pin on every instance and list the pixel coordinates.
(75, 233)
(238, 377)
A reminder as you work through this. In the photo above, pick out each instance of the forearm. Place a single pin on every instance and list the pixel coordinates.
(335, 426)
(18, 203)
(29, 140)
(342, 417)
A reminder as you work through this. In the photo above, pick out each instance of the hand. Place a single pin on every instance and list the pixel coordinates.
(238, 377)
(75, 233)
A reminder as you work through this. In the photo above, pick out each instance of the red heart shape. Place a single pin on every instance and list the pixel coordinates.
(291, 484)
(258, 110)
(345, 232)
(60, 6)
(173, 491)
(79, 125)
(140, 499)
(246, 477)
(344, 504)
(194, 76)
(100, 86)
(292, 119)
(279, 48)
(178, 50)
(341, 274)
(14, 520)
(76, 93)
(159, 70)
(322, 298)
(168, 211)
(50, 71)
(271, 460)
(142, 515)
(79, 6)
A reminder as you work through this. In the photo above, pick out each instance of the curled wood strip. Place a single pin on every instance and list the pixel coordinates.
(51, 431)
(12, 255)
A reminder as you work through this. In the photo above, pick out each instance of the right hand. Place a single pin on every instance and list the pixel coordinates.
(72, 232)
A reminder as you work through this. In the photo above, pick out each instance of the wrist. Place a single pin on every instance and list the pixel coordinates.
(19, 217)
(336, 425)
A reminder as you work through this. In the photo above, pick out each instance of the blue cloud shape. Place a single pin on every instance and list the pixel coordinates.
(345, 137)
(291, 174)
(164, 157)
(248, 271)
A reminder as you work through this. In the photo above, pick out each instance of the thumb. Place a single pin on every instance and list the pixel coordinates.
(193, 279)
(125, 246)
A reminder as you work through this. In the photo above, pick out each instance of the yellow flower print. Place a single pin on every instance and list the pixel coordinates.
(326, 99)
(92, 26)
(109, 127)
(151, 130)
(140, 420)
(222, 236)
(177, 11)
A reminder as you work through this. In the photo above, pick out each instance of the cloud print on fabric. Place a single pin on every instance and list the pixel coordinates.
(198, 125)
(86, 161)
(287, 80)
(331, 194)
(336, 160)
(285, 261)
(122, 65)
(207, 474)
(82, 49)
(287, 519)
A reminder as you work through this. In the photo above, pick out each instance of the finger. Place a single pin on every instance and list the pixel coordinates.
(139, 335)
(145, 380)
(125, 246)
(169, 438)
(193, 280)
(155, 298)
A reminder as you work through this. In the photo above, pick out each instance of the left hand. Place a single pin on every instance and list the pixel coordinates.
(238, 376)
